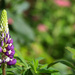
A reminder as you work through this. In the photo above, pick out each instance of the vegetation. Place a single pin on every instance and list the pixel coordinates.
(43, 35)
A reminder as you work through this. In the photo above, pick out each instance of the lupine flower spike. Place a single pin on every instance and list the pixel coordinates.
(7, 47)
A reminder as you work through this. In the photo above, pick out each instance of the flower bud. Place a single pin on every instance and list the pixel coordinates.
(0, 49)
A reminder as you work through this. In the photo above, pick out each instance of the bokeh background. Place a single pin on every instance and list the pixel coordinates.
(42, 28)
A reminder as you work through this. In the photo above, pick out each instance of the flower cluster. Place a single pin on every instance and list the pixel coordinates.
(7, 48)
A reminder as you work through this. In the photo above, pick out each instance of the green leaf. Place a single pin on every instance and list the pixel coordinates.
(35, 65)
(11, 69)
(71, 50)
(67, 63)
(21, 27)
(56, 73)
(20, 63)
(0, 70)
(22, 7)
(28, 72)
(24, 72)
(73, 56)
(40, 58)
(20, 56)
(43, 66)
(46, 71)
(10, 73)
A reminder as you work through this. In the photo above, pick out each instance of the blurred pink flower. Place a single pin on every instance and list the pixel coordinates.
(42, 28)
(63, 3)
(10, 21)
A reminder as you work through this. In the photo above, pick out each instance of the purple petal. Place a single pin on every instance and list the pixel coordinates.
(11, 56)
(13, 62)
(0, 49)
(12, 53)
(7, 53)
(11, 41)
(8, 41)
(12, 47)
(9, 36)
(4, 39)
(2, 34)
(2, 43)
(8, 47)
(9, 63)
(6, 35)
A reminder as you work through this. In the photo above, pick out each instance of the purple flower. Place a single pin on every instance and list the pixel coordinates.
(7, 47)
(7, 53)
(12, 62)
(8, 41)
(12, 53)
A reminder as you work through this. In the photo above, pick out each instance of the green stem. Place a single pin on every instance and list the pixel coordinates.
(3, 69)
(3, 66)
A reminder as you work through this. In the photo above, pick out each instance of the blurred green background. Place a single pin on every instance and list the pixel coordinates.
(42, 28)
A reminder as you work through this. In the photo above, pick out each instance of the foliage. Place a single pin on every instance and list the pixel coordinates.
(41, 28)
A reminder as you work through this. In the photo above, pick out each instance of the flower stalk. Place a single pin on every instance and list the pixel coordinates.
(3, 69)
(7, 48)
